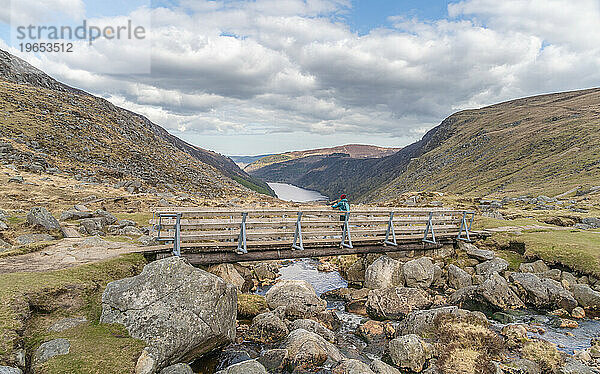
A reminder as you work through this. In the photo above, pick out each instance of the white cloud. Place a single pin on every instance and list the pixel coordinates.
(267, 66)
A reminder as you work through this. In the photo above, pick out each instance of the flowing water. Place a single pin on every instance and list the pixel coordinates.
(289, 192)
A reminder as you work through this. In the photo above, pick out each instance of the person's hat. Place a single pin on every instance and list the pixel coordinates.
(343, 196)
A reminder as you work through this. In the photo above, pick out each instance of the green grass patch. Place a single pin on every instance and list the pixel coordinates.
(56, 294)
(513, 258)
(575, 249)
(141, 218)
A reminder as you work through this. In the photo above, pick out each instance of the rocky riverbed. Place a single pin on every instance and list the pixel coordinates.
(460, 310)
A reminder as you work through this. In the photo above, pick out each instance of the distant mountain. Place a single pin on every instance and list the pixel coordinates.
(243, 161)
(86, 135)
(544, 144)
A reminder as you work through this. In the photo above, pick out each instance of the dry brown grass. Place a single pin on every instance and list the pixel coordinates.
(544, 354)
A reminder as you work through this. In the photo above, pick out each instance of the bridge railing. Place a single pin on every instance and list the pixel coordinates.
(242, 230)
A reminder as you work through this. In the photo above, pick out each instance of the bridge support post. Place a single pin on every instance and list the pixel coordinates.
(346, 232)
(242, 245)
(428, 229)
(465, 227)
(177, 241)
(298, 234)
(390, 230)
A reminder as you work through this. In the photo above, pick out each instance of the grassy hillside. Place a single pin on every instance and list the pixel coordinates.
(539, 145)
(89, 136)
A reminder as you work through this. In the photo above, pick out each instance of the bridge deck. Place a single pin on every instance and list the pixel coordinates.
(218, 235)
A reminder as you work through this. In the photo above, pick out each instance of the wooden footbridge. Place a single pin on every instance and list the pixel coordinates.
(209, 236)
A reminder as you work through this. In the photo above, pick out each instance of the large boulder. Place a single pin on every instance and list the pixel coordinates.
(458, 278)
(542, 293)
(384, 272)
(585, 296)
(352, 367)
(497, 265)
(410, 352)
(245, 367)
(313, 326)
(297, 297)
(229, 274)
(419, 272)
(573, 366)
(421, 322)
(476, 253)
(496, 291)
(39, 217)
(180, 311)
(267, 328)
(307, 350)
(396, 302)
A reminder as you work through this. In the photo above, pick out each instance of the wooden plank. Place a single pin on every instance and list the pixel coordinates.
(293, 212)
(282, 254)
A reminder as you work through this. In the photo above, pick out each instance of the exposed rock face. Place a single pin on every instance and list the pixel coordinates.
(419, 272)
(476, 253)
(585, 296)
(352, 367)
(575, 367)
(10, 370)
(410, 352)
(50, 349)
(33, 238)
(384, 272)
(520, 365)
(297, 297)
(380, 367)
(308, 350)
(181, 312)
(39, 217)
(246, 367)
(396, 302)
(267, 328)
(495, 291)
(534, 267)
(497, 265)
(542, 293)
(177, 369)
(67, 323)
(458, 278)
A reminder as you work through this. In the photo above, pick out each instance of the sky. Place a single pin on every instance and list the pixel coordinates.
(267, 76)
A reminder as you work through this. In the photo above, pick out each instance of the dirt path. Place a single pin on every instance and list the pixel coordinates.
(528, 227)
(65, 254)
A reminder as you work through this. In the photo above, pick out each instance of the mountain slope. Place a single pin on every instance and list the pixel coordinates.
(77, 130)
(543, 144)
(352, 150)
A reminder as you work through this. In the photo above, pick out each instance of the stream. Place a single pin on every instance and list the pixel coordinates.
(351, 346)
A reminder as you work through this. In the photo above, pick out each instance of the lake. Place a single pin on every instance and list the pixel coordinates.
(289, 192)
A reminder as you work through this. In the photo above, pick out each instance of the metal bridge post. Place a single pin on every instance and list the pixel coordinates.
(390, 229)
(346, 232)
(298, 234)
(428, 229)
(242, 248)
(466, 227)
(177, 241)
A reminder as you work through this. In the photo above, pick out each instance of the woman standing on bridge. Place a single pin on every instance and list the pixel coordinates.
(343, 205)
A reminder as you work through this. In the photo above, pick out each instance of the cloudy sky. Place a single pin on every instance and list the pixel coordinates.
(263, 76)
